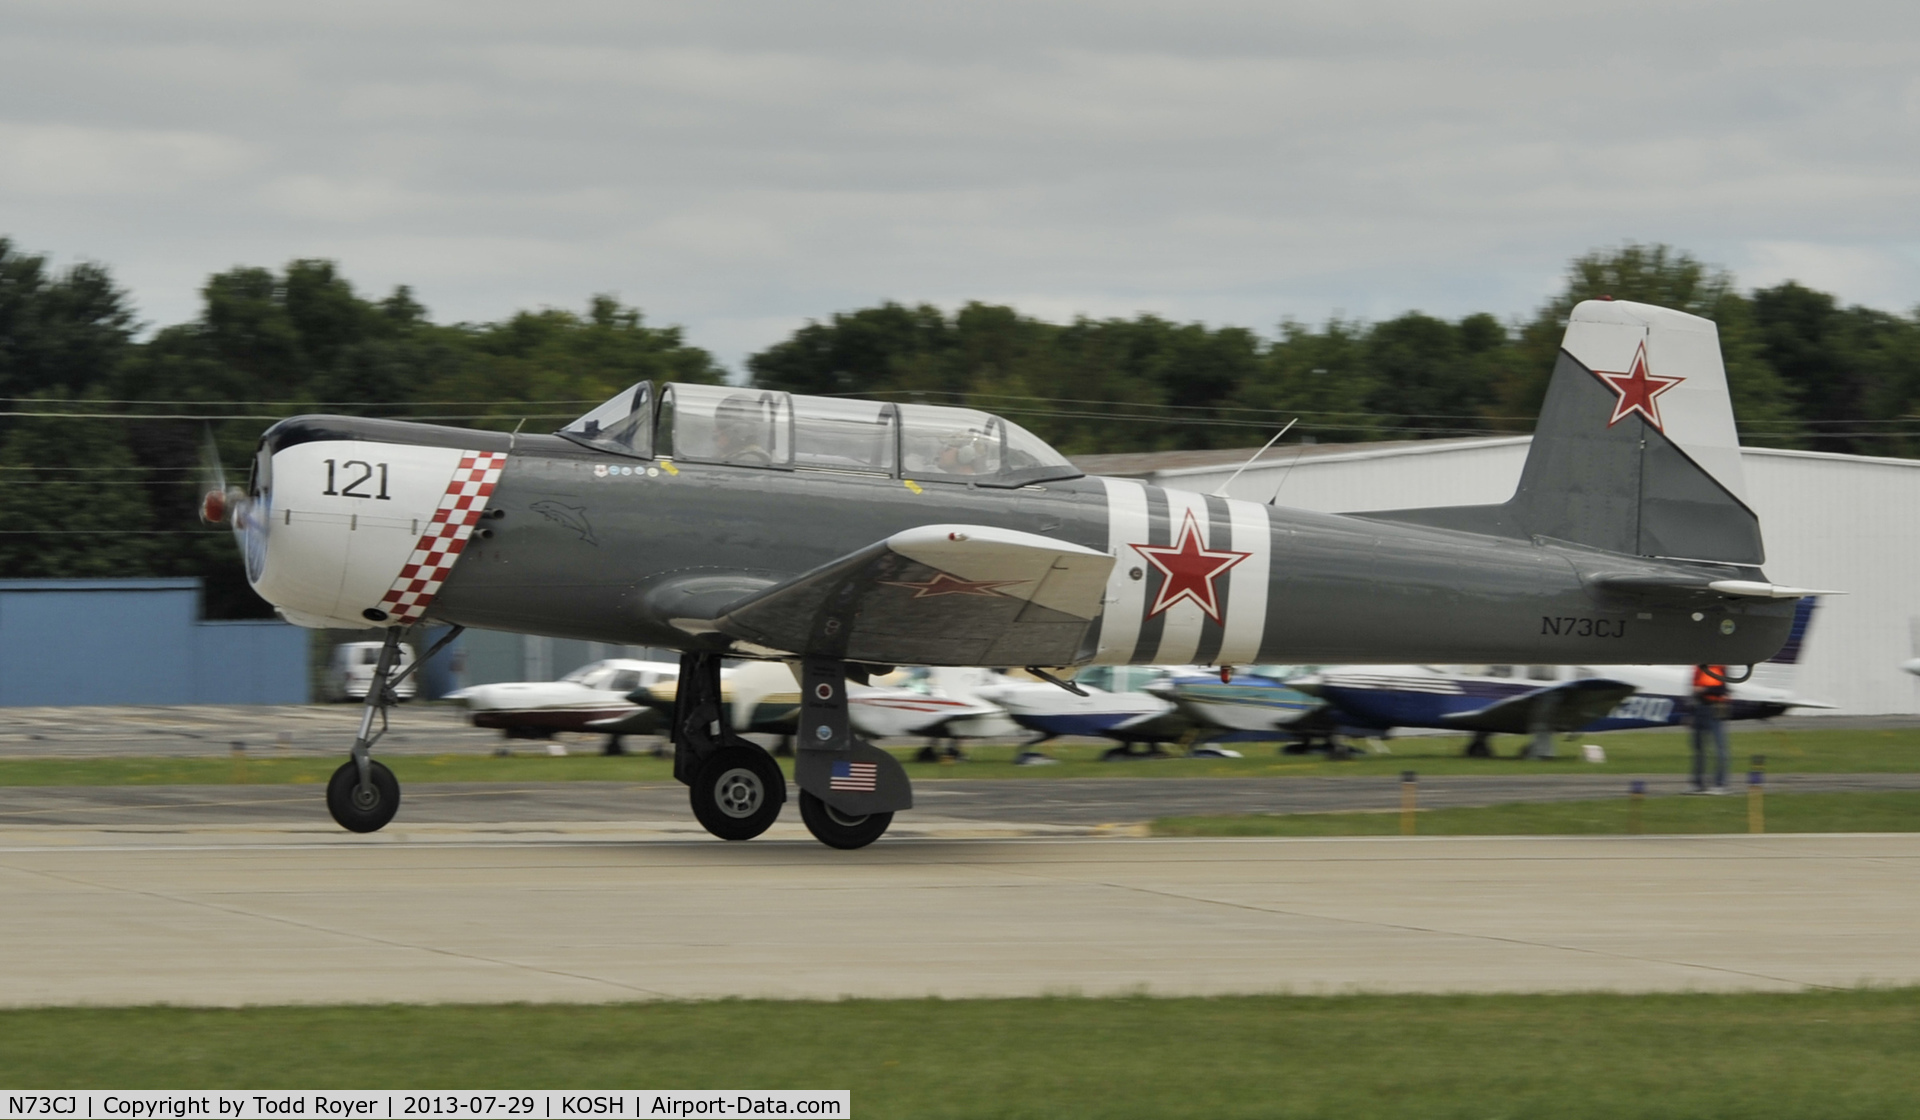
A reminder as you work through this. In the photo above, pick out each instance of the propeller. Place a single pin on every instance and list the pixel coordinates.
(217, 499)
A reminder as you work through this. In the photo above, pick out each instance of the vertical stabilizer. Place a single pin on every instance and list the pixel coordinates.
(1782, 669)
(1635, 451)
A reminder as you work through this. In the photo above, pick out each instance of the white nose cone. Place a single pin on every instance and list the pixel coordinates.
(1912, 665)
(363, 534)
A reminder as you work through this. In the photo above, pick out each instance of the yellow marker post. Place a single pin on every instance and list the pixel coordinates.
(1756, 795)
(1636, 795)
(1409, 797)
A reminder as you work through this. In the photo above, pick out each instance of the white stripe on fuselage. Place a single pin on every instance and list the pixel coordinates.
(1180, 637)
(1246, 626)
(1125, 604)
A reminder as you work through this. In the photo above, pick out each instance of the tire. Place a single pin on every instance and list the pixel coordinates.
(835, 830)
(363, 814)
(737, 792)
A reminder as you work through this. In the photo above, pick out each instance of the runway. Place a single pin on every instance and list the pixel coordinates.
(589, 911)
(1007, 806)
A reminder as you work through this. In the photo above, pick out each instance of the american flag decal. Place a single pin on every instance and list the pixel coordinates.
(445, 536)
(855, 777)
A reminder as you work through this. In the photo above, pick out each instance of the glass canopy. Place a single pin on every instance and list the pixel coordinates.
(781, 431)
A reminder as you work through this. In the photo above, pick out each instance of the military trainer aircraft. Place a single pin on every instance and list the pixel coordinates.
(849, 535)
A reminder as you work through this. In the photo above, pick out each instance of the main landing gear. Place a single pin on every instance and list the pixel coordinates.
(849, 788)
(363, 795)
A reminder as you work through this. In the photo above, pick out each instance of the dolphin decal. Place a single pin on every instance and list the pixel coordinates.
(573, 517)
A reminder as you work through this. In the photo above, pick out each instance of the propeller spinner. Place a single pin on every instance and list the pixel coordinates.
(217, 500)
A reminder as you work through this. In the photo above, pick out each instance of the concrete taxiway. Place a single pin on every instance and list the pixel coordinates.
(591, 911)
(1037, 805)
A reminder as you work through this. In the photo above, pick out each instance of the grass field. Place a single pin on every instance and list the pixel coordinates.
(1783, 812)
(1639, 752)
(1830, 1054)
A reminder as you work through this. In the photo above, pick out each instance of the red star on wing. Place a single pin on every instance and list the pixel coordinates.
(1639, 390)
(944, 584)
(1190, 569)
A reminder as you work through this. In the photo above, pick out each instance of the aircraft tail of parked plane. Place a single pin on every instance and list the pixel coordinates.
(1782, 670)
(1671, 487)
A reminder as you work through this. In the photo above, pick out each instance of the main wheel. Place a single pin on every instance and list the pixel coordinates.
(837, 830)
(363, 809)
(737, 792)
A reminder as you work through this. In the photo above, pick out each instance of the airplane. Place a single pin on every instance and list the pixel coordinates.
(1255, 704)
(850, 536)
(1541, 700)
(1105, 701)
(591, 698)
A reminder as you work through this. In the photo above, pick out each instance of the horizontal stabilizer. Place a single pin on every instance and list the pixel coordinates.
(934, 595)
(1666, 587)
(1752, 589)
(1562, 707)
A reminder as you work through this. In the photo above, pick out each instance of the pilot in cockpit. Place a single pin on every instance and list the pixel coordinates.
(739, 432)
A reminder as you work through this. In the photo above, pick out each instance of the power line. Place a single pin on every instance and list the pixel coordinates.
(277, 417)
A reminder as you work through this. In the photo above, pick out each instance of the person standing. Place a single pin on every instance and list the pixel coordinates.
(1710, 705)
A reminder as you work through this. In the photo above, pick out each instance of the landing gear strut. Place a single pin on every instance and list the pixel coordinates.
(736, 788)
(849, 788)
(363, 795)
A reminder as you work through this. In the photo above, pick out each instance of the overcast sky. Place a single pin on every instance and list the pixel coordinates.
(739, 168)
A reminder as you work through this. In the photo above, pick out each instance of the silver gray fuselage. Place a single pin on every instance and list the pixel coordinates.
(579, 554)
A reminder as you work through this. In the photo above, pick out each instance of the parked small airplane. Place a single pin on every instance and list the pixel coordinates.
(1106, 701)
(850, 535)
(1540, 700)
(591, 698)
(1255, 704)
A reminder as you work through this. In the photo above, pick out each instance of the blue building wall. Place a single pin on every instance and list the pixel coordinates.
(128, 641)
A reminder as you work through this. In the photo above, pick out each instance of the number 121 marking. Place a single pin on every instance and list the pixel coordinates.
(352, 488)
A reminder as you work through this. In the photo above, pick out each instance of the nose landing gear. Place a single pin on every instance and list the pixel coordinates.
(363, 795)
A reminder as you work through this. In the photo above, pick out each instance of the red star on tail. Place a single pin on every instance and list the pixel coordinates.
(1639, 390)
(1190, 569)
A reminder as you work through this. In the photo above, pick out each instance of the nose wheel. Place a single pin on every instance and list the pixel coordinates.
(363, 795)
(363, 807)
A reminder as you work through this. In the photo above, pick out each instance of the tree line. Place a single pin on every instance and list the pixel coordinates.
(100, 446)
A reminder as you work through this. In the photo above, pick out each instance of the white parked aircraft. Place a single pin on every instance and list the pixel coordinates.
(591, 698)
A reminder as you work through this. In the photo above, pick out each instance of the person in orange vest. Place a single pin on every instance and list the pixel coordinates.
(1710, 705)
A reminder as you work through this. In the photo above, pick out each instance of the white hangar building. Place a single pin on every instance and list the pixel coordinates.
(1846, 522)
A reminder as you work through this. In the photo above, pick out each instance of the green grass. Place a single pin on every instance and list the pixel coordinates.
(1783, 812)
(1830, 1054)
(1633, 752)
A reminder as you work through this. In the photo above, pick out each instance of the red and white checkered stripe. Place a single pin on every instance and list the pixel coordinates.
(460, 510)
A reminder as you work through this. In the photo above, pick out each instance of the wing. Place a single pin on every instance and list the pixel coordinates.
(1561, 707)
(934, 595)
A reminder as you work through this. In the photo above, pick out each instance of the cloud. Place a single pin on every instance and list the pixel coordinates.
(739, 167)
(65, 160)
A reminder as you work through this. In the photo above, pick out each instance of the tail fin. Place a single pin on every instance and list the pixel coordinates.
(1780, 670)
(1635, 451)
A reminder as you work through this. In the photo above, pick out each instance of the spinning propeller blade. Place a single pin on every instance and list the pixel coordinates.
(216, 499)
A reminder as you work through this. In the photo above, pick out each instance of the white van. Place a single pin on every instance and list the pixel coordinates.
(350, 671)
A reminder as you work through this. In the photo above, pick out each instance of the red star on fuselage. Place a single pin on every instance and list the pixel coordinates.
(1190, 569)
(944, 584)
(1639, 390)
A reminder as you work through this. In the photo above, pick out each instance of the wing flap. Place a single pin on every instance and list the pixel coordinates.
(934, 595)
